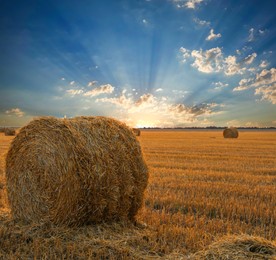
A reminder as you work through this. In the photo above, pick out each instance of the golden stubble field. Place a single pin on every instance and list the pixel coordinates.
(202, 187)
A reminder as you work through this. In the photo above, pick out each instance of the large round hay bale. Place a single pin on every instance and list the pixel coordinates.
(238, 247)
(9, 132)
(75, 171)
(230, 132)
(136, 131)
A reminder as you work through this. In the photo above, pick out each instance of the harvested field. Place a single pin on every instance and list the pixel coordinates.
(201, 188)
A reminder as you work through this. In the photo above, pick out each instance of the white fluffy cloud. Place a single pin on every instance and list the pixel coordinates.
(201, 22)
(267, 93)
(213, 60)
(102, 89)
(191, 4)
(185, 54)
(207, 61)
(265, 77)
(15, 111)
(231, 66)
(212, 36)
(263, 64)
(250, 58)
(264, 82)
(243, 84)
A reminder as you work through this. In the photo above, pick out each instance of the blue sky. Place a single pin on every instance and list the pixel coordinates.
(164, 63)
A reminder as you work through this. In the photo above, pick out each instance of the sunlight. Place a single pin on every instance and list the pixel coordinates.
(145, 123)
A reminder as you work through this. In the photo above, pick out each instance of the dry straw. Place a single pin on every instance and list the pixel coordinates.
(239, 247)
(75, 171)
(9, 132)
(230, 132)
(136, 131)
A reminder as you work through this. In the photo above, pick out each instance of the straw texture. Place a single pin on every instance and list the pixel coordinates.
(230, 132)
(239, 247)
(9, 131)
(136, 131)
(75, 171)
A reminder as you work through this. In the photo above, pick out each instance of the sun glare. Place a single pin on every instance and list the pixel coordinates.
(145, 123)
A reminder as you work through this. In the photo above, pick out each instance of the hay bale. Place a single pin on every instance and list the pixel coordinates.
(75, 171)
(2, 129)
(230, 132)
(239, 247)
(136, 131)
(9, 131)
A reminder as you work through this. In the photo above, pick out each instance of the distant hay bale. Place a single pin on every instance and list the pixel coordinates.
(136, 131)
(9, 131)
(2, 129)
(75, 171)
(240, 247)
(230, 132)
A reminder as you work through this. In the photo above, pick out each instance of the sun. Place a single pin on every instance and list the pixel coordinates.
(145, 123)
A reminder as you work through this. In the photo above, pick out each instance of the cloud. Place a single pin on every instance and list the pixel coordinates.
(144, 21)
(267, 92)
(72, 82)
(243, 84)
(231, 66)
(251, 35)
(265, 77)
(264, 82)
(255, 34)
(159, 90)
(212, 36)
(201, 22)
(122, 101)
(208, 61)
(92, 83)
(145, 99)
(193, 111)
(213, 60)
(191, 4)
(219, 85)
(250, 58)
(160, 111)
(74, 92)
(102, 89)
(185, 54)
(107, 89)
(263, 64)
(16, 112)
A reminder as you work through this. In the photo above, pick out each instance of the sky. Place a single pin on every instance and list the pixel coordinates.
(148, 63)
